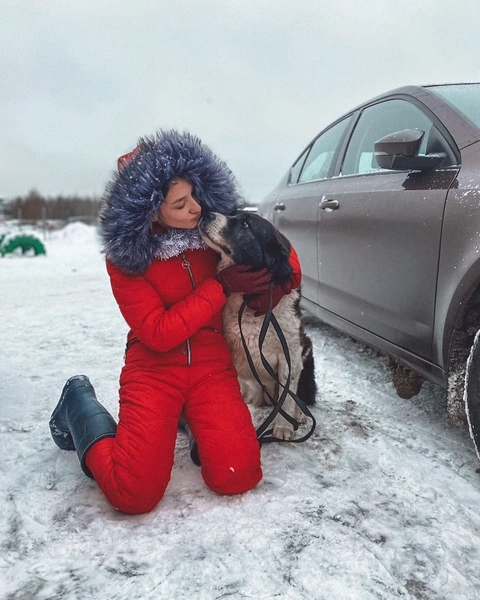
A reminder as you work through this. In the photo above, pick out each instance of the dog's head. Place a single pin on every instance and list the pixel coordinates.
(248, 239)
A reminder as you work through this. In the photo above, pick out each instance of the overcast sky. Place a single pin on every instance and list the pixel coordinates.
(255, 79)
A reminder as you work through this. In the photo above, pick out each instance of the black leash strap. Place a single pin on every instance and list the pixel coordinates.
(264, 434)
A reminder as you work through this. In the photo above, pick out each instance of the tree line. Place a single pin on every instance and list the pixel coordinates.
(35, 207)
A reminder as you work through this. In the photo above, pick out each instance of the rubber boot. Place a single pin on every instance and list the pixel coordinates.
(192, 444)
(79, 420)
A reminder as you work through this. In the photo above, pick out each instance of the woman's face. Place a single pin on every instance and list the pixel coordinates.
(179, 208)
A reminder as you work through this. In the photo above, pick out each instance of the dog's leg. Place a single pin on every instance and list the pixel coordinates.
(270, 391)
(251, 391)
(282, 429)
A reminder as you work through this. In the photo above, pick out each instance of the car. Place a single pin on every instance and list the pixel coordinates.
(383, 209)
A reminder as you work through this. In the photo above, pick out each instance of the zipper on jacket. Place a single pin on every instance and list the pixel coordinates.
(186, 265)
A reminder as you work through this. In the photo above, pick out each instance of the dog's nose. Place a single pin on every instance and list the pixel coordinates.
(205, 220)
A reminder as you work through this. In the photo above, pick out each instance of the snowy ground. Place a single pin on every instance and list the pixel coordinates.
(383, 502)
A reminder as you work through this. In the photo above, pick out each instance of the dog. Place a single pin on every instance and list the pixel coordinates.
(248, 239)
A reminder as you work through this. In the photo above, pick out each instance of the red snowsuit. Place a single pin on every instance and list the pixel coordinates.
(177, 361)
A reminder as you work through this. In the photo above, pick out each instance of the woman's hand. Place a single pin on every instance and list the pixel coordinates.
(240, 279)
(260, 303)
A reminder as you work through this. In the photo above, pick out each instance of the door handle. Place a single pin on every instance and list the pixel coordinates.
(329, 205)
(279, 206)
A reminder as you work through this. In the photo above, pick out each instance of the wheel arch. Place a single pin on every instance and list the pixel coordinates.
(463, 315)
(461, 326)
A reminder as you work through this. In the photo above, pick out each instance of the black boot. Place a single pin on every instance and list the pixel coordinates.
(79, 420)
(192, 444)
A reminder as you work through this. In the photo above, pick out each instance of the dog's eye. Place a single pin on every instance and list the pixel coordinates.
(245, 224)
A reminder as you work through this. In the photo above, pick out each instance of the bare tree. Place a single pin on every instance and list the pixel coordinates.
(35, 207)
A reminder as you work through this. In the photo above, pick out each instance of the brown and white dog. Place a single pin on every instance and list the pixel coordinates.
(248, 239)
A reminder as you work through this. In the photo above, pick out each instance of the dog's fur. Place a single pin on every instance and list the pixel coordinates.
(248, 239)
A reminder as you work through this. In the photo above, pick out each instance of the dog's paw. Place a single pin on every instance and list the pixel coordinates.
(300, 417)
(283, 431)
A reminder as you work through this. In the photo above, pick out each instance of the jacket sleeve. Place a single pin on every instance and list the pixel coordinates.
(157, 327)
(297, 270)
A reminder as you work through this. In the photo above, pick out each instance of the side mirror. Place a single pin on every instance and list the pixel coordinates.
(399, 151)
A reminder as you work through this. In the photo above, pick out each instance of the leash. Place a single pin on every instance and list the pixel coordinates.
(264, 434)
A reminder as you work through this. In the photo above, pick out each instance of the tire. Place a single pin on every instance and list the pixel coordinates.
(472, 392)
(24, 243)
(455, 395)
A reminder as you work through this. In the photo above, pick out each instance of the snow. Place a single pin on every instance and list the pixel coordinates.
(383, 501)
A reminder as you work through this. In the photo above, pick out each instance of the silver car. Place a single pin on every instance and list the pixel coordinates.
(383, 209)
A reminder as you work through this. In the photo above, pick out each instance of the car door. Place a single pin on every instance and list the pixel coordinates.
(295, 210)
(378, 249)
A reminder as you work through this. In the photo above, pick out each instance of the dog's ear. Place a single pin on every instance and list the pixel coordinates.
(277, 257)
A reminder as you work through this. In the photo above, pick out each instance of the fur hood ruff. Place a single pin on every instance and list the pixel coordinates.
(135, 192)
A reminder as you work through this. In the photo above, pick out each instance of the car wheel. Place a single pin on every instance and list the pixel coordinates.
(455, 396)
(472, 392)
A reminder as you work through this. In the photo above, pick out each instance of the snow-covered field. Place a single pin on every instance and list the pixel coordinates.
(383, 501)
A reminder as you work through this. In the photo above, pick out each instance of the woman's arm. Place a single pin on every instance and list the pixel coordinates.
(157, 327)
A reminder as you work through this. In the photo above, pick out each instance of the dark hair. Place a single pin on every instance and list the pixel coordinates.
(164, 189)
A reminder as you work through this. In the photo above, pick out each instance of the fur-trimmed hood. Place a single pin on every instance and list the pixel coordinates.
(137, 189)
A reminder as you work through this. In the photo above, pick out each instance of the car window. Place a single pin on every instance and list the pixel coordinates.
(385, 118)
(297, 167)
(322, 151)
(465, 97)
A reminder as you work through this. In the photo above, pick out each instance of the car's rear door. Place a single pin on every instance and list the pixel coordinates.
(378, 249)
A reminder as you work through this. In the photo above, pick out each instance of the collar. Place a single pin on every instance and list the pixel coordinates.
(175, 241)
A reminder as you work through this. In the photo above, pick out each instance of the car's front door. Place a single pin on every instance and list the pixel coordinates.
(296, 208)
(378, 249)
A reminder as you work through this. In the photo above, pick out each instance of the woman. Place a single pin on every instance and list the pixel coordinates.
(177, 362)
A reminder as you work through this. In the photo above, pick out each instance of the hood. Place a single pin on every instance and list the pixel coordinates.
(137, 189)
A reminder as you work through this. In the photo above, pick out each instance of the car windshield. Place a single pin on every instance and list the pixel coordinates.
(464, 97)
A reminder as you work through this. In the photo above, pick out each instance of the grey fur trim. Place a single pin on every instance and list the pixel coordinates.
(175, 241)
